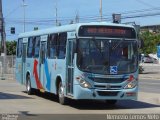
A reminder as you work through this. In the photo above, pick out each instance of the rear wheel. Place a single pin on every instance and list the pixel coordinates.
(112, 102)
(28, 85)
(62, 98)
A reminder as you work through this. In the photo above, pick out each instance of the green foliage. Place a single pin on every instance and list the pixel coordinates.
(150, 42)
(11, 47)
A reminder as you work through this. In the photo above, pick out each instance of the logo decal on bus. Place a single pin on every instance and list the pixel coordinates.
(113, 69)
(35, 74)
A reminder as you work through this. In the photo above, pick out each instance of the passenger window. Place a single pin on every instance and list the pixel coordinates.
(30, 49)
(19, 48)
(37, 47)
(52, 46)
(62, 45)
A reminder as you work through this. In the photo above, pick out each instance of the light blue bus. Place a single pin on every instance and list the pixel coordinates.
(92, 61)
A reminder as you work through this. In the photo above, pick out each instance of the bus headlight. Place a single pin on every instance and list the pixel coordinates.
(83, 83)
(131, 84)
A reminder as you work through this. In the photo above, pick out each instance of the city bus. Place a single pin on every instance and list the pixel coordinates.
(83, 61)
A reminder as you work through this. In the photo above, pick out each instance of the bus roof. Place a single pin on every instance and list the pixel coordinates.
(66, 28)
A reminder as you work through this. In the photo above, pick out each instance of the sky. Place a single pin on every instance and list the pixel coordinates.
(42, 13)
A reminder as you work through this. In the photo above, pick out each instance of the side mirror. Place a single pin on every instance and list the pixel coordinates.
(140, 43)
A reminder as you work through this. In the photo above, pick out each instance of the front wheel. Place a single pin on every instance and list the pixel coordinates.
(28, 85)
(62, 98)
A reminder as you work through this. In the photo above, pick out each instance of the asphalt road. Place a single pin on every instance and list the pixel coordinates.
(14, 100)
(148, 85)
(149, 81)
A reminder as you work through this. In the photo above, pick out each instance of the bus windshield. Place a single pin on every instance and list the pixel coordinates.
(107, 56)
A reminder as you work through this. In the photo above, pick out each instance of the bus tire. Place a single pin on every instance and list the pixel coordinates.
(61, 97)
(111, 102)
(28, 85)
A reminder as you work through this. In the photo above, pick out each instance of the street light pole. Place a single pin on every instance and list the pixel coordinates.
(100, 11)
(56, 17)
(56, 14)
(24, 16)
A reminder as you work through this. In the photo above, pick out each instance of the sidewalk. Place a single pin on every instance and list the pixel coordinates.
(150, 76)
(149, 64)
(151, 71)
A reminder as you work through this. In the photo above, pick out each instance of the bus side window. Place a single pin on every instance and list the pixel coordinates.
(37, 46)
(62, 45)
(19, 48)
(30, 47)
(52, 46)
(42, 55)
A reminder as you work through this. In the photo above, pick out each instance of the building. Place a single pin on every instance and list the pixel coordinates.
(151, 28)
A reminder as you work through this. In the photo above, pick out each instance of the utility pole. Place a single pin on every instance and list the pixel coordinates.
(3, 42)
(24, 16)
(77, 17)
(2, 32)
(56, 15)
(100, 10)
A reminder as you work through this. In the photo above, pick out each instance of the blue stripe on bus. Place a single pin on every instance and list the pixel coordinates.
(48, 75)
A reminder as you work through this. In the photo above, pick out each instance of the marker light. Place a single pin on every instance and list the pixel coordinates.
(131, 77)
(132, 82)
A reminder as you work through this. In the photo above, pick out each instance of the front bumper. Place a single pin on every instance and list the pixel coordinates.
(104, 94)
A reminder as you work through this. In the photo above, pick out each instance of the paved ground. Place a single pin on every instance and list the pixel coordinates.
(151, 71)
(13, 99)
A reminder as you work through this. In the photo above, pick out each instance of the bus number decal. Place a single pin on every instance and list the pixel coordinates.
(35, 74)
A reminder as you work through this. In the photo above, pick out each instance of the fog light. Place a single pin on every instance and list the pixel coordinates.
(130, 93)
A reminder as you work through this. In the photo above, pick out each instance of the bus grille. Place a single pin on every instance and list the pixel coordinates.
(108, 80)
(107, 93)
(105, 87)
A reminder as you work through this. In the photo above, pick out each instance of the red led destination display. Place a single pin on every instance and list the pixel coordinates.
(107, 31)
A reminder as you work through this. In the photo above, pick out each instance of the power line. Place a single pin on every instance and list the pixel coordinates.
(125, 15)
(144, 3)
(11, 12)
(89, 17)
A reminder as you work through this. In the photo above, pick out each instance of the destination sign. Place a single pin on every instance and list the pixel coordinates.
(107, 31)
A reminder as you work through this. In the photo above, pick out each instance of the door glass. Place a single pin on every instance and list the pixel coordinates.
(70, 67)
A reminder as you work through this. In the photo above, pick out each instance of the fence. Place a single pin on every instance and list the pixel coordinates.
(7, 67)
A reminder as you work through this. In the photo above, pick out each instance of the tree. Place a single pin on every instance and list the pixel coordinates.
(11, 47)
(151, 41)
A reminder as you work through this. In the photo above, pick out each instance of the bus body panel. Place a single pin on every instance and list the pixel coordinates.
(19, 70)
(44, 71)
(31, 64)
(57, 68)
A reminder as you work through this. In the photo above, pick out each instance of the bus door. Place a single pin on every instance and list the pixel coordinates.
(70, 67)
(24, 53)
(42, 62)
